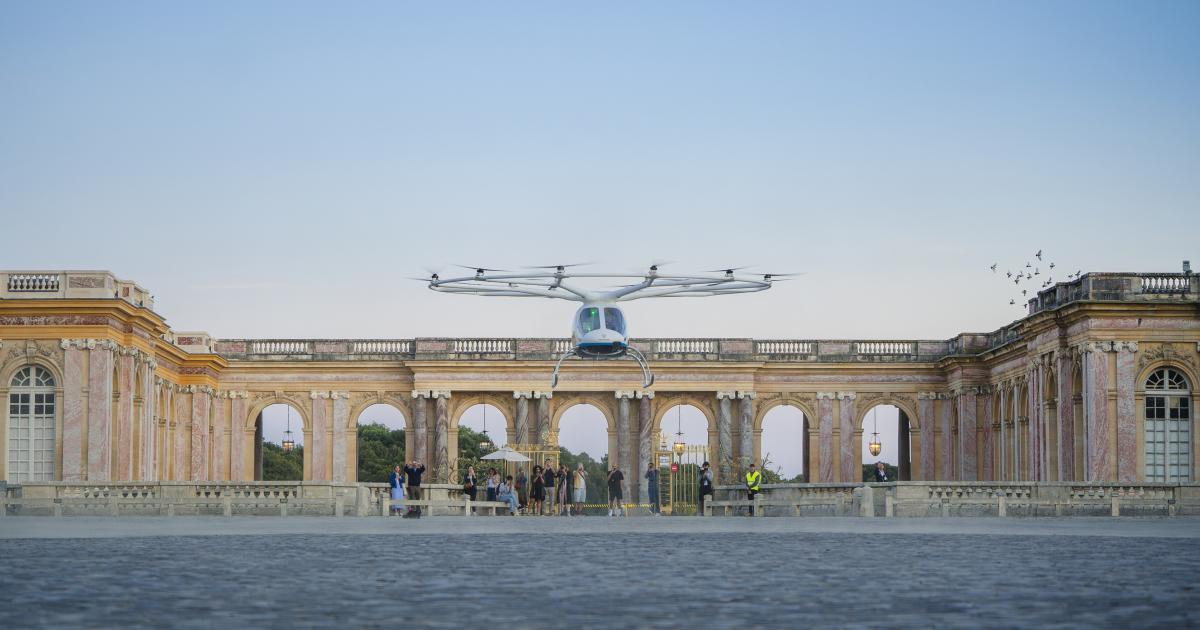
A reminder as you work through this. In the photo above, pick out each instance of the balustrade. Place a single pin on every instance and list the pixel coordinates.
(483, 346)
(1164, 284)
(684, 346)
(281, 347)
(382, 346)
(780, 346)
(885, 347)
(34, 283)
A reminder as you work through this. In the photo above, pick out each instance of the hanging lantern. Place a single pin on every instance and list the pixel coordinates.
(678, 446)
(486, 443)
(289, 444)
(874, 446)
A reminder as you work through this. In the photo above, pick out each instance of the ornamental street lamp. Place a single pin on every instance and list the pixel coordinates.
(678, 446)
(289, 444)
(485, 444)
(874, 446)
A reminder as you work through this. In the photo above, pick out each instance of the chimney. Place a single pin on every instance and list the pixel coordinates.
(1187, 267)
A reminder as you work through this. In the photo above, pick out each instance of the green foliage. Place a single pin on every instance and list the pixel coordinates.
(893, 472)
(281, 466)
(379, 449)
(470, 454)
(597, 473)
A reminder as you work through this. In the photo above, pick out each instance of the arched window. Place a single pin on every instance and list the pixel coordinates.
(1168, 427)
(31, 426)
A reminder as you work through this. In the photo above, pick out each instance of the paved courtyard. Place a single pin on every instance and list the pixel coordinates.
(598, 572)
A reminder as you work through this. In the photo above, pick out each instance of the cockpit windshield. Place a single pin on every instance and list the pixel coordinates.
(589, 319)
(614, 320)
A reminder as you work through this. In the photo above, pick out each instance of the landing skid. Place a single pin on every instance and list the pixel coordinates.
(634, 353)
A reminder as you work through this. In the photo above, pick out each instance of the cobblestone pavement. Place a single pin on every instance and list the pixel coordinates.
(729, 573)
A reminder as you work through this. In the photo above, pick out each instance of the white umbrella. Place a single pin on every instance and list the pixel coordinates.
(506, 454)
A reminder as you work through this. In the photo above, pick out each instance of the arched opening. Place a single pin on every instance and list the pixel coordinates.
(1168, 427)
(888, 427)
(279, 444)
(482, 429)
(31, 419)
(380, 442)
(584, 438)
(683, 442)
(783, 441)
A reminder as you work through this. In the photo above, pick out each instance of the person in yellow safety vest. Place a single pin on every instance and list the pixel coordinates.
(753, 478)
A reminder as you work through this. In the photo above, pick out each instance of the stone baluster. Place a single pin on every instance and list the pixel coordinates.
(745, 430)
(543, 417)
(645, 443)
(441, 457)
(725, 437)
(417, 446)
(522, 419)
(1126, 410)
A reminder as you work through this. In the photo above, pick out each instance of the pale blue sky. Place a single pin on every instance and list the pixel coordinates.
(273, 169)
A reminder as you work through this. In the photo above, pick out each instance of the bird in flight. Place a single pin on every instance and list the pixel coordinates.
(1039, 254)
(1051, 265)
(993, 267)
(1008, 273)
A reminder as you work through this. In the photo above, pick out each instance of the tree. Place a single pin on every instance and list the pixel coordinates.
(379, 449)
(281, 466)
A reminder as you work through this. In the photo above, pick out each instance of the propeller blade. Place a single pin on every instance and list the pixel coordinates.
(727, 269)
(578, 264)
(783, 275)
(477, 268)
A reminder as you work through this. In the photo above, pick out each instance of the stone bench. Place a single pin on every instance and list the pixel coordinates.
(430, 506)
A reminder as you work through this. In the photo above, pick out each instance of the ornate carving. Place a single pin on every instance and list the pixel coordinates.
(1164, 352)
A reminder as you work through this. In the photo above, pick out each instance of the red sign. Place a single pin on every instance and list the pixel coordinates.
(674, 467)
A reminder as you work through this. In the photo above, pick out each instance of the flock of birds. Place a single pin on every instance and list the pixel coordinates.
(1024, 273)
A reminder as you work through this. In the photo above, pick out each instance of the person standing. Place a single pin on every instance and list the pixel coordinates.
(753, 478)
(579, 479)
(706, 486)
(881, 472)
(616, 480)
(537, 494)
(493, 484)
(413, 472)
(521, 485)
(652, 486)
(548, 481)
(396, 481)
(564, 489)
(471, 485)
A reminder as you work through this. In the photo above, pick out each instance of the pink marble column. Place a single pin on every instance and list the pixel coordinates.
(100, 412)
(966, 436)
(1034, 411)
(200, 434)
(237, 436)
(123, 426)
(1066, 417)
(320, 438)
(219, 462)
(72, 440)
(945, 448)
(825, 429)
(341, 421)
(146, 424)
(988, 468)
(1126, 411)
(928, 435)
(846, 429)
(180, 434)
(1096, 411)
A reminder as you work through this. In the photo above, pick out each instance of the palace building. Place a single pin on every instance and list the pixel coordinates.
(1097, 382)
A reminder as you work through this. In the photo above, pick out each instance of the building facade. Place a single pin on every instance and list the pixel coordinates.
(1096, 383)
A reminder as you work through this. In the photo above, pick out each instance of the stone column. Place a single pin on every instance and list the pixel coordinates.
(237, 438)
(181, 429)
(123, 424)
(200, 431)
(846, 429)
(319, 455)
(72, 440)
(147, 421)
(929, 433)
(417, 446)
(522, 419)
(987, 470)
(745, 430)
(725, 437)
(1066, 416)
(645, 443)
(441, 440)
(967, 435)
(1037, 397)
(1095, 409)
(100, 410)
(341, 421)
(1126, 410)
(543, 417)
(825, 431)
(624, 439)
(1002, 467)
(945, 448)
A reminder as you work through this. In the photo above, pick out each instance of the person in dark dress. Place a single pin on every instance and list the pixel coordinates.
(413, 473)
(616, 496)
(881, 472)
(548, 480)
(537, 494)
(652, 487)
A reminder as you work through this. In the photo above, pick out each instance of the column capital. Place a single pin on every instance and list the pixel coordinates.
(1095, 346)
(1125, 346)
(749, 395)
(336, 395)
(624, 394)
(647, 395)
(520, 395)
(825, 395)
(543, 394)
(316, 394)
(439, 393)
(846, 395)
(724, 395)
(421, 393)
